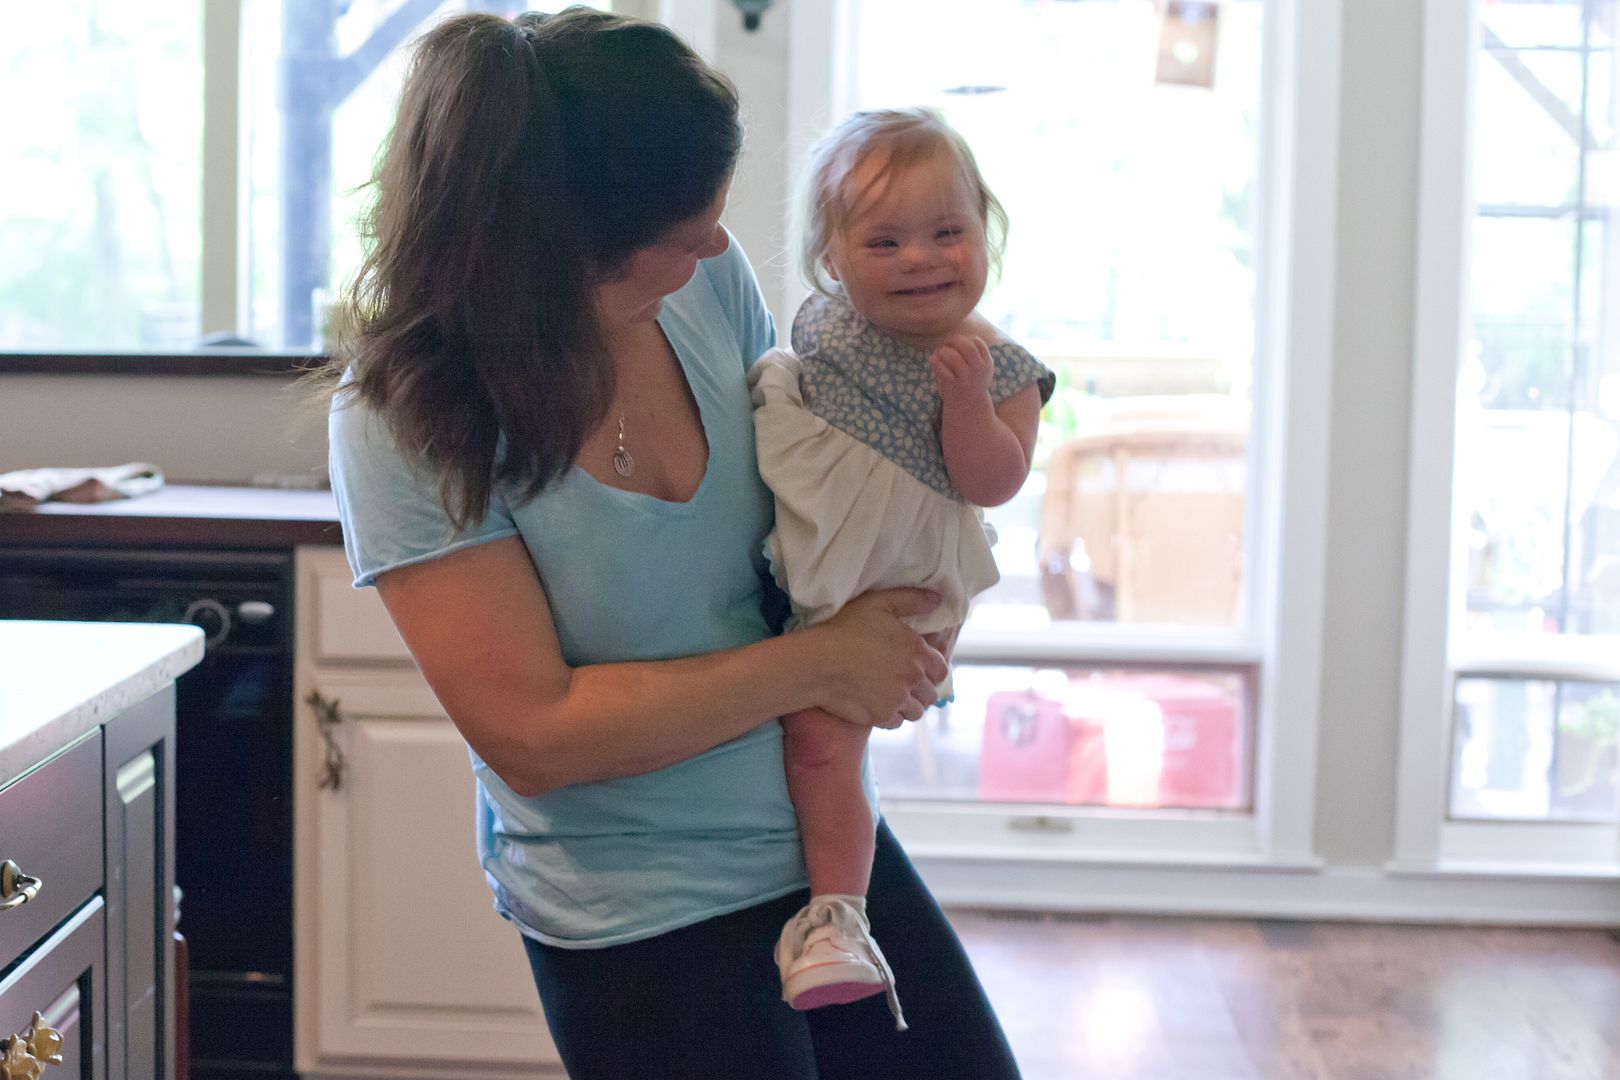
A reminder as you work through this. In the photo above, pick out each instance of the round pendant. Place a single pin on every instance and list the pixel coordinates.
(623, 463)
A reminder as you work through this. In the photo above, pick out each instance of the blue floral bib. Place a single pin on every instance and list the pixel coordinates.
(881, 391)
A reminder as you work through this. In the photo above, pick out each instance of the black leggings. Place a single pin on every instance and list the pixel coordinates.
(705, 1002)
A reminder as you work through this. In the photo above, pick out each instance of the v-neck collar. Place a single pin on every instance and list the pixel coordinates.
(692, 385)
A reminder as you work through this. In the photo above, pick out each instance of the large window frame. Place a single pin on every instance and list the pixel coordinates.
(1288, 459)
(1435, 653)
(225, 207)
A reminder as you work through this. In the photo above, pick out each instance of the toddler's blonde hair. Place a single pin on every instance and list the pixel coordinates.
(905, 137)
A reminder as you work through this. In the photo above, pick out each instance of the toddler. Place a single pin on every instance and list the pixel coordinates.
(898, 413)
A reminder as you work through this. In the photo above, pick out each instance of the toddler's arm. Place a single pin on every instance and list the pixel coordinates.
(987, 446)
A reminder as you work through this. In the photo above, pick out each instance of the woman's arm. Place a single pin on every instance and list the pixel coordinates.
(479, 626)
(988, 447)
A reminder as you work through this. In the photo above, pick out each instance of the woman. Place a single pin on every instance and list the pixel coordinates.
(542, 450)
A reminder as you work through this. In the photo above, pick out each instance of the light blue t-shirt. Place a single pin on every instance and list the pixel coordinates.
(629, 577)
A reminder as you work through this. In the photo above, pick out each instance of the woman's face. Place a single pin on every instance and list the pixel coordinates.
(636, 293)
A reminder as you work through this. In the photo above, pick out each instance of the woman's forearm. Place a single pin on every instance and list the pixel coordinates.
(479, 626)
(625, 719)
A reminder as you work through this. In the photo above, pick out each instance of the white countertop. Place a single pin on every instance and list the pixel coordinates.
(59, 680)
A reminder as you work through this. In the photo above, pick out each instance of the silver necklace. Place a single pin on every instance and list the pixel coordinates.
(623, 463)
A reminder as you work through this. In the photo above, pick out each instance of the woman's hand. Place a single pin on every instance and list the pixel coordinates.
(878, 671)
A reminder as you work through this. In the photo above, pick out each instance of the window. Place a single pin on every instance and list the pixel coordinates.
(1514, 678)
(100, 220)
(1131, 270)
(113, 236)
(1538, 461)
(322, 83)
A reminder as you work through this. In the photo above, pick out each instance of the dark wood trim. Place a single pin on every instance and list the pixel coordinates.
(125, 531)
(184, 516)
(252, 362)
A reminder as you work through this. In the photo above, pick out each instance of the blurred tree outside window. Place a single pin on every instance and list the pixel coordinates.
(101, 229)
(323, 79)
(100, 205)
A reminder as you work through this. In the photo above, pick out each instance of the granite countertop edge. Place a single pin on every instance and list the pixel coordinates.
(59, 680)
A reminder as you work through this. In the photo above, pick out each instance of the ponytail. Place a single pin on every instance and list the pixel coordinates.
(521, 171)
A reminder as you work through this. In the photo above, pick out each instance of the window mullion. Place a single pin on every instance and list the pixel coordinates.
(223, 284)
(1445, 208)
(1300, 148)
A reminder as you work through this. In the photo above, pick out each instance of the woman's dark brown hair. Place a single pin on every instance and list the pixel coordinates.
(528, 160)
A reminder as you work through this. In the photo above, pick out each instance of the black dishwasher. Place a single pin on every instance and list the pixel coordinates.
(233, 773)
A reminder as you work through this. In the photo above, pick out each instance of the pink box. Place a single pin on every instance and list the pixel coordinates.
(1036, 749)
(1203, 739)
(1025, 753)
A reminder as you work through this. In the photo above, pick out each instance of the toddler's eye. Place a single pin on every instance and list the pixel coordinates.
(950, 232)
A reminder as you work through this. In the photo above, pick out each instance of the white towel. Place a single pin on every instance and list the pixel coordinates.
(25, 489)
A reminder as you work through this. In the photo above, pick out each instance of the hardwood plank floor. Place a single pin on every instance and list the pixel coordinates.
(1138, 998)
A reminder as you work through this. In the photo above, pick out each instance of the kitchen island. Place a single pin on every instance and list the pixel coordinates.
(86, 846)
(355, 991)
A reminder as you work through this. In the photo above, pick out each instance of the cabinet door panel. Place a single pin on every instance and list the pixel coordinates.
(351, 625)
(140, 885)
(412, 961)
(64, 979)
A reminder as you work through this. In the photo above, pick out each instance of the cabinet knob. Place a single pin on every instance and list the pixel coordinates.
(16, 1063)
(45, 1042)
(16, 889)
(24, 1057)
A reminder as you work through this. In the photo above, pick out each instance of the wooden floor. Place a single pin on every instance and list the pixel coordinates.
(1111, 998)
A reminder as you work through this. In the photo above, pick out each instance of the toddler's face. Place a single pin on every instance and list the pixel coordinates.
(911, 255)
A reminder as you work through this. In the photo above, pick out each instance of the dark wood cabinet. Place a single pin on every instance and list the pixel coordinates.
(89, 836)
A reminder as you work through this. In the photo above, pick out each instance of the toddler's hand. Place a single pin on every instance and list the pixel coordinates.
(962, 367)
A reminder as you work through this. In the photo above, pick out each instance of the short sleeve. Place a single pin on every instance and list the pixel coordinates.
(1015, 368)
(738, 291)
(391, 512)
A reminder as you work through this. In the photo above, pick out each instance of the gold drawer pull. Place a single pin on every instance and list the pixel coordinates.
(24, 1057)
(16, 889)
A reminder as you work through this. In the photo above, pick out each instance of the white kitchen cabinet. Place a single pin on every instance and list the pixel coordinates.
(402, 968)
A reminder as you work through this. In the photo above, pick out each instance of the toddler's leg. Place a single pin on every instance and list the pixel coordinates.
(826, 954)
(823, 757)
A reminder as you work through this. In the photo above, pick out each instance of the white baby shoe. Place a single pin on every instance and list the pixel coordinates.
(826, 956)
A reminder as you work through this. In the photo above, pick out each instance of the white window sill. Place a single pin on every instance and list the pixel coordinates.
(1508, 868)
(1092, 836)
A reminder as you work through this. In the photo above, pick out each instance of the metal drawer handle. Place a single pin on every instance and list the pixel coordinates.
(25, 1056)
(328, 715)
(16, 887)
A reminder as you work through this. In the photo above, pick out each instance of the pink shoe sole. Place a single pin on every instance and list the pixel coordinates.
(838, 993)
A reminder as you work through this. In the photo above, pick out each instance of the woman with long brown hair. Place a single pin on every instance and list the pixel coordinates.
(542, 449)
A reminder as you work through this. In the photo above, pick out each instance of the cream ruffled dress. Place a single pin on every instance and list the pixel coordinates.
(847, 431)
